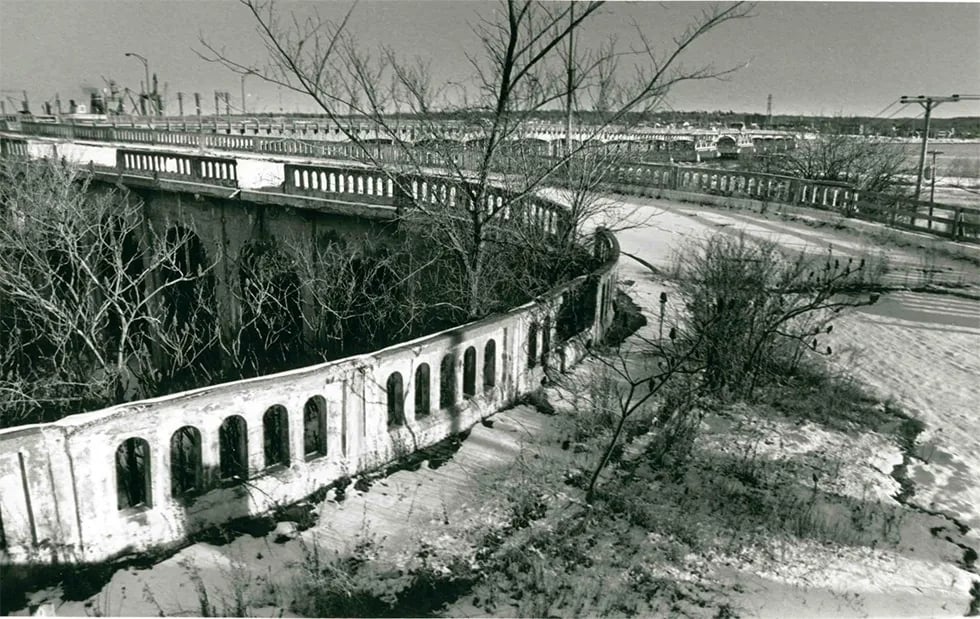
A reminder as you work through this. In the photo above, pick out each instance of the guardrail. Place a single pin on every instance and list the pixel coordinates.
(211, 170)
(351, 185)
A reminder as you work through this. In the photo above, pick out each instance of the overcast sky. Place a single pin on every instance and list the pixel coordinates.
(815, 57)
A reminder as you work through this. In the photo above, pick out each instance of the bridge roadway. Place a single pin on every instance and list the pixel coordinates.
(255, 172)
(319, 184)
(363, 192)
(549, 137)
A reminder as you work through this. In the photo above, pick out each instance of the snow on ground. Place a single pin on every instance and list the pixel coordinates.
(920, 349)
(923, 350)
(397, 510)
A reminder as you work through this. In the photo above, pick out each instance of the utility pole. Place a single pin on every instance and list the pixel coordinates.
(180, 104)
(769, 111)
(929, 103)
(932, 190)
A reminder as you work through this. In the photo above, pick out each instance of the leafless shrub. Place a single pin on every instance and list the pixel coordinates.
(757, 310)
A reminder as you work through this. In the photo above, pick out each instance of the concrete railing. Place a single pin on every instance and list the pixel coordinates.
(352, 185)
(960, 223)
(147, 475)
(957, 222)
(211, 170)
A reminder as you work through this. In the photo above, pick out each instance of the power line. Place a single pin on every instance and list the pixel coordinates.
(885, 109)
(898, 110)
(928, 103)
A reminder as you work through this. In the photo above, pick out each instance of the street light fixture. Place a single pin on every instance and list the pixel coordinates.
(146, 70)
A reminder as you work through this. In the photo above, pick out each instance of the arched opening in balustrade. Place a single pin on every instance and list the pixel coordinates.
(186, 470)
(447, 382)
(422, 398)
(489, 365)
(275, 435)
(394, 390)
(315, 427)
(133, 474)
(233, 449)
(469, 372)
(271, 330)
(532, 345)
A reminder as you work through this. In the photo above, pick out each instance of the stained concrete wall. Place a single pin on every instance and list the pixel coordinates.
(58, 486)
(58, 480)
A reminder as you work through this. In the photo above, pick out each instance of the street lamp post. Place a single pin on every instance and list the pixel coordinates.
(247, 73)
(146, 70)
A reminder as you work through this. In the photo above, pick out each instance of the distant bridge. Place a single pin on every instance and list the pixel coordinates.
(547, 139)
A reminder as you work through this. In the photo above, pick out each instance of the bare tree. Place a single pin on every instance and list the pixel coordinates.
(757, 308)
(657, 376)
(869, 164)
(93, 302)
(526, 65)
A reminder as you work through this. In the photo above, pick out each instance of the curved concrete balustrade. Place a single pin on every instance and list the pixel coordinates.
(207, 456)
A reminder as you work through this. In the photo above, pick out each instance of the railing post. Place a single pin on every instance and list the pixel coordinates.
(797, 190)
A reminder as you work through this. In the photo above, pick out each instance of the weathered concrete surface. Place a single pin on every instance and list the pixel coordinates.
(395, 511)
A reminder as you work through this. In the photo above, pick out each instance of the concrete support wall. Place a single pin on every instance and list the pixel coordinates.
(58, 481)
